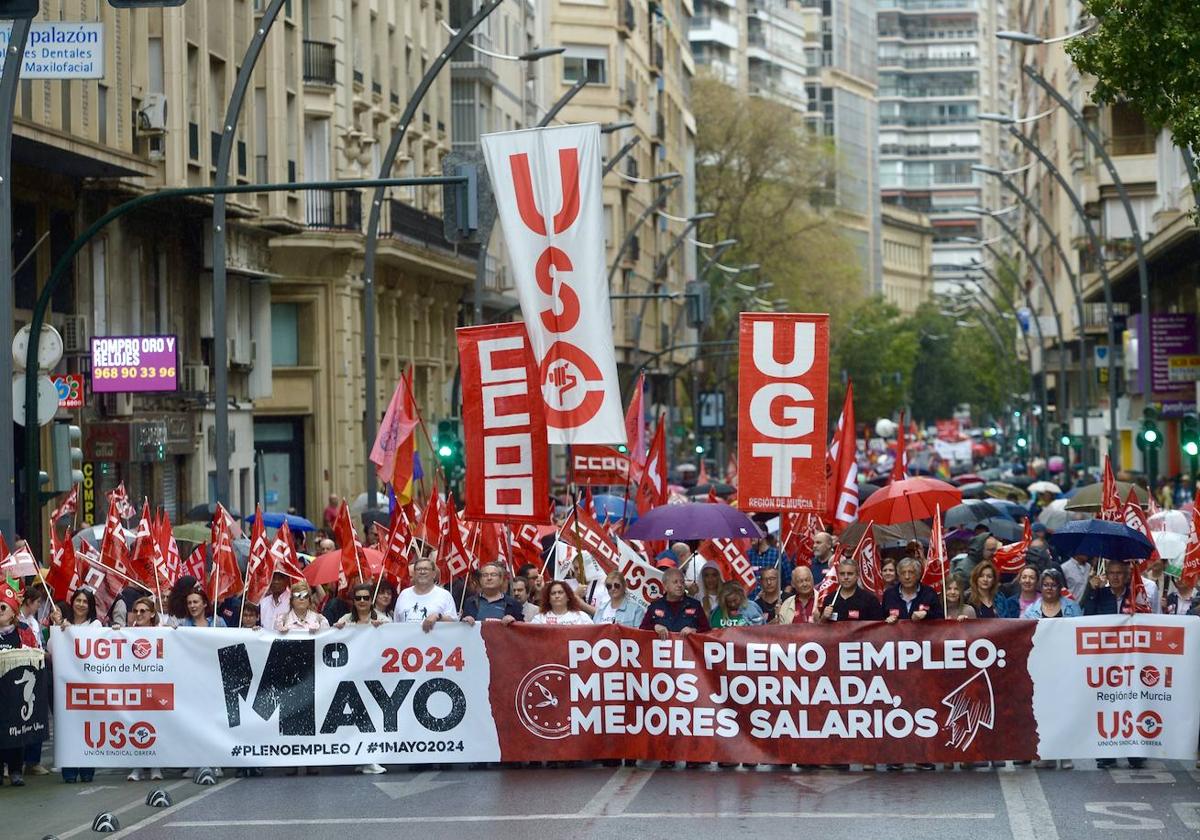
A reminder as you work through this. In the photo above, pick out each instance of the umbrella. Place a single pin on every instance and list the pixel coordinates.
(1022, 481)
(1087, 498)
(697, 521)
(1055, 515)
(1171, 547)
(702, 489)
(866, 490)
(901, 533)
(1002, 490)
(360, 503)
(970, 512)
(326, 567)
(1173, 521)
(1003, 529)
(1044, 487)
(966, 478)
(1011, 510)
(205, 513)
(294, 523)
(1100, 538)
(909, 499)
(613, 508)
(193, 532)
(93, 535)
(974, 490)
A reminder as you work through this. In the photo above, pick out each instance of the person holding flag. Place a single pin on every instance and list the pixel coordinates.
(850, 602)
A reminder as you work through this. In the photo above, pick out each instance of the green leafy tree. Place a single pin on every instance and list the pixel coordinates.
(874, 347)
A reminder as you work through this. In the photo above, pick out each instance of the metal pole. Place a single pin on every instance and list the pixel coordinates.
(1094, 239)
(1062, 361)
(1024, 336)
(1144, 361)
(562, 102)
(372, 235)
(660, 266)
(663, 193)
(33, 442)
(8, 468)
(980, 312)
(220, 179)
(621, 152)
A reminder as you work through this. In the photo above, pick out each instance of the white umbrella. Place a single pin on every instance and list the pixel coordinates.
(360, 503)
(1170, 545)
(94, 535)
(1055, 515)
(1173, 521)
(1044, 487)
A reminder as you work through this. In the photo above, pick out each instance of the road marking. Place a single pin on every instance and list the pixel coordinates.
(161, 812)
(657, 815)
(617, 793)
(79, 829)
(420, 783)
(1029, 816)
(825, 782)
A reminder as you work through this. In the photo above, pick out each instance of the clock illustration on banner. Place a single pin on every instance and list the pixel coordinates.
(542, 702)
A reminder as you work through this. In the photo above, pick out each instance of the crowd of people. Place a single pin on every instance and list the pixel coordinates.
(695, 599)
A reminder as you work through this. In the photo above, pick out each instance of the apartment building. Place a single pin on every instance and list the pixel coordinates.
(907, 258)
(328, 90)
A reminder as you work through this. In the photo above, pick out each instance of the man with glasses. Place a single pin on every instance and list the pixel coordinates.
(425, 601)
(493, 601)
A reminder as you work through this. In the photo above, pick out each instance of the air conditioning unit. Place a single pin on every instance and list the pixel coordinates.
(75, 334)
(195, 378)
(237, 353)
(118, 405)
(152, 116)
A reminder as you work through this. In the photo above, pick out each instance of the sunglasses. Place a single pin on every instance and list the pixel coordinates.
(613, 586)
(141, 610)
(302, 596)
(362, 597)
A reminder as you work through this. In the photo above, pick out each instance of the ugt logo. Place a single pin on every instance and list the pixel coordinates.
(572, 384)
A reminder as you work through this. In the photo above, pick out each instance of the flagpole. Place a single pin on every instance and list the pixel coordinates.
(944, 560)
(123, 576)
(557, 538)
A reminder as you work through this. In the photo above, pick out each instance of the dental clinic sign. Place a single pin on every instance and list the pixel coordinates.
(61, 50)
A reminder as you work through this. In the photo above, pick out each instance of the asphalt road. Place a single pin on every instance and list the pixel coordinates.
(1160, 801)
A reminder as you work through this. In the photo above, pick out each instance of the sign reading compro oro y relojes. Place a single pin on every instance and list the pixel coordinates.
(134, 363)
(61, 50)
(937, 691)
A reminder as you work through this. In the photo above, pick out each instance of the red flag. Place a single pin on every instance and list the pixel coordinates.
(1135, 518)
(283, 554)
(1010, 559)
(712, 495)
(170, 549)
(900, 466)
(731, 470)
(866, 553)
(1191, 557)
(392, 452)
(61, 576)
(783, 391)
(1138, 599)
(194, 567)
(353, 558)
(4, 552)
(841, 468)
(827, 586)
(258, 563)
(67, 508)
(225, 578)
(114, 553)
(733, 561)
(635, 421)
(938, 563)
(1110, 498)
(92, 573)
(430, 528)
(702, 476)
(124, 508)
(457, 560)
(141, 562)
(799, 536)
(652, 489)
(395, 550)
(585, 534)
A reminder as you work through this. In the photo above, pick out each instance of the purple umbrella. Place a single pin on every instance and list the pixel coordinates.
(695, 521)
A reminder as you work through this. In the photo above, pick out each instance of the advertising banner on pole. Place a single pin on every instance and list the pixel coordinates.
(504, 428)
(869, 692)
(548, 194)
(783, 393)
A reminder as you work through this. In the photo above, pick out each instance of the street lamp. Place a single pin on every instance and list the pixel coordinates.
(1005, 119)
(983, 211)
(609, 128)
(1031, 40)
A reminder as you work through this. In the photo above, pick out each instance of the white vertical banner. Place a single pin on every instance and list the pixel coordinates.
(548, 194)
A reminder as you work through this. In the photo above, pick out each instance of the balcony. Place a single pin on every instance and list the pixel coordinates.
(709, 28)
(628, 20)
(319, 63)
(925, 62)
(1095, 316)
(657, 56)
(339, 210)
(660, 126)
(405, 222)
(629, 94)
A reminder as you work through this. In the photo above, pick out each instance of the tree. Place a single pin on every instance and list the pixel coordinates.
(1145, 51)
(876, 348)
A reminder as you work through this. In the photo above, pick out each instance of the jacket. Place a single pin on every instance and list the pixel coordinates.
(926, 599)
(511, 606)
(676, 615)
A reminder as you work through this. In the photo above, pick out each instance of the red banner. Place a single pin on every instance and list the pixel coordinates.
(594, 464)
(504, 426)
(783, 392)
(732, 560)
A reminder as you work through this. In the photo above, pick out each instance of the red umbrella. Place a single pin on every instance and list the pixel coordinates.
(909, 500)
(967, 478)
(326, 567)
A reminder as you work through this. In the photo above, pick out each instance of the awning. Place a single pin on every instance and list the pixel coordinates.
(41, 148)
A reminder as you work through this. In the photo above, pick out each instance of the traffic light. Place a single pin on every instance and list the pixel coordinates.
(1149, 438)
(622, 448)
(1022, 442)
(1189, 435)
(699, 449)
(1064, 436)
(450, 447)
(66, 457)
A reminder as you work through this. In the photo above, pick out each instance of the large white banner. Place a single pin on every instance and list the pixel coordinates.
(939, 691)
(548, 194)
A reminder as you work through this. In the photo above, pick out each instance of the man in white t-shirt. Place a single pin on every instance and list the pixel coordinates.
(424, 601)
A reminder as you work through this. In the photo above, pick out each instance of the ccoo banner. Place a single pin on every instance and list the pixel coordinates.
(547, 187)
(783, 391)
(934, 691)
(504, 428)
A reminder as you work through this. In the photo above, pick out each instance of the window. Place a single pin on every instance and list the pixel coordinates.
(285, 334)
(582, 62)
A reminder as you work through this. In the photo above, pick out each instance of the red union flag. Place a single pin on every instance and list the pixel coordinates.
(734, 565)
(504, 428)
(782, 395)
(547, 187)
(599, 465)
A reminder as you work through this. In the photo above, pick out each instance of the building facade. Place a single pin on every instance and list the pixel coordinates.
(907, 258)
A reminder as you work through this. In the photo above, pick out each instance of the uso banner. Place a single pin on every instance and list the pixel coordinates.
(783, 384)
(504, 428)
(935, 691)
(547, 187)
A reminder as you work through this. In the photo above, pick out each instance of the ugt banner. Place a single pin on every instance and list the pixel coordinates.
(547, 187)
(869, 692)
(504, 428)
(783, 388)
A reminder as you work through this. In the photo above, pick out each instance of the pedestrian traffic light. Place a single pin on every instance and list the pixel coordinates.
(699, 449)
(1022, 442)
(1064, 436)
(1149, 438)
(449, 447)
(66, 457)
(1189, 435)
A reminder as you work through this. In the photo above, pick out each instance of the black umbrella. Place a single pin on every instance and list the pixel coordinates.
(974, 491)
(865, 490)
(885, 534)
(205, 513)
(1003, 529)
(702, 489)
(1022, 481)
(970, 512)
